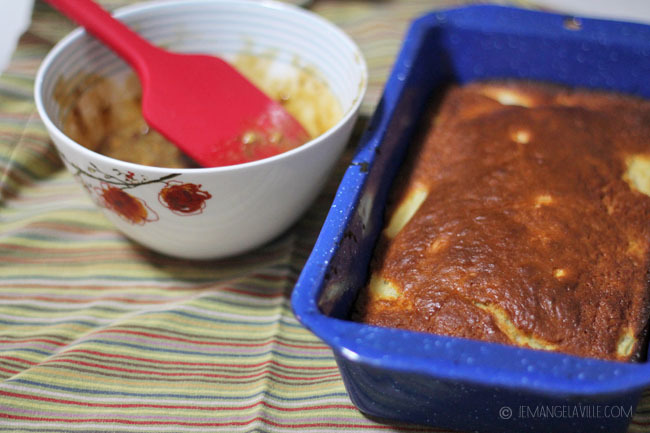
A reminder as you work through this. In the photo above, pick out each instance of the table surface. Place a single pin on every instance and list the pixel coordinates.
(100, 334)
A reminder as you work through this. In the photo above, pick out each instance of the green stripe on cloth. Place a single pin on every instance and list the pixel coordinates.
(98, 334)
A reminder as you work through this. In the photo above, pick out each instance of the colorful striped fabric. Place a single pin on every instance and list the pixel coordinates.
(98, 334)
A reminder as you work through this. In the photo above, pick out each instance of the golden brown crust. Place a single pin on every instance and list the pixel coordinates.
(531, 231)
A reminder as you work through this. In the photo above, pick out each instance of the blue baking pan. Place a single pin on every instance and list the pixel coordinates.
(452, 382)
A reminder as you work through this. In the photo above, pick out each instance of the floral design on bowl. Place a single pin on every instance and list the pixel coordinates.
(183, 198)
(128, 207)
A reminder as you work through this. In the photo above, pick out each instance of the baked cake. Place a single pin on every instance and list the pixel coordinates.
(522, 218)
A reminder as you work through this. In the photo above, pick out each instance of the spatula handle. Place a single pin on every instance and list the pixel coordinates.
(98, 22)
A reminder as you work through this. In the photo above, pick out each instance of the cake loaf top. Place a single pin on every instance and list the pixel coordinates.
(523, 218)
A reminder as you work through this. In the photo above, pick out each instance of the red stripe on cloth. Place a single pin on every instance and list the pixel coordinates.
(13, 358)
(211, 343)
(169, 406)
(341, 427)
(82, 301)
(172, 374)
(192, 288)
(206, 364)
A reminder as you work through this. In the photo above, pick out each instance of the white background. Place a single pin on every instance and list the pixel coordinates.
(626, 10)
(14, 19)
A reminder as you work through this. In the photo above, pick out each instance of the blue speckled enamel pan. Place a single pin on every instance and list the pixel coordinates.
(452, 382)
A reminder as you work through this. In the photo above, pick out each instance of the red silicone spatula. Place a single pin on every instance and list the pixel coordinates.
(198, 102)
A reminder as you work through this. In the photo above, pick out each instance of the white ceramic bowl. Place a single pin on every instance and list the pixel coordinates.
(210, 212)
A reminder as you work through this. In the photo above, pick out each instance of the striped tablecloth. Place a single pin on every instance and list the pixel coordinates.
(99, 334)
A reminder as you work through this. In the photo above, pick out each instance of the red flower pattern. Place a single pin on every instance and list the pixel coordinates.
(183, 198)
(179, 197)
(129, 208)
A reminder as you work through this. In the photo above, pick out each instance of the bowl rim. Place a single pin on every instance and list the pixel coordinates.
(142, 8)
(353, 343)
